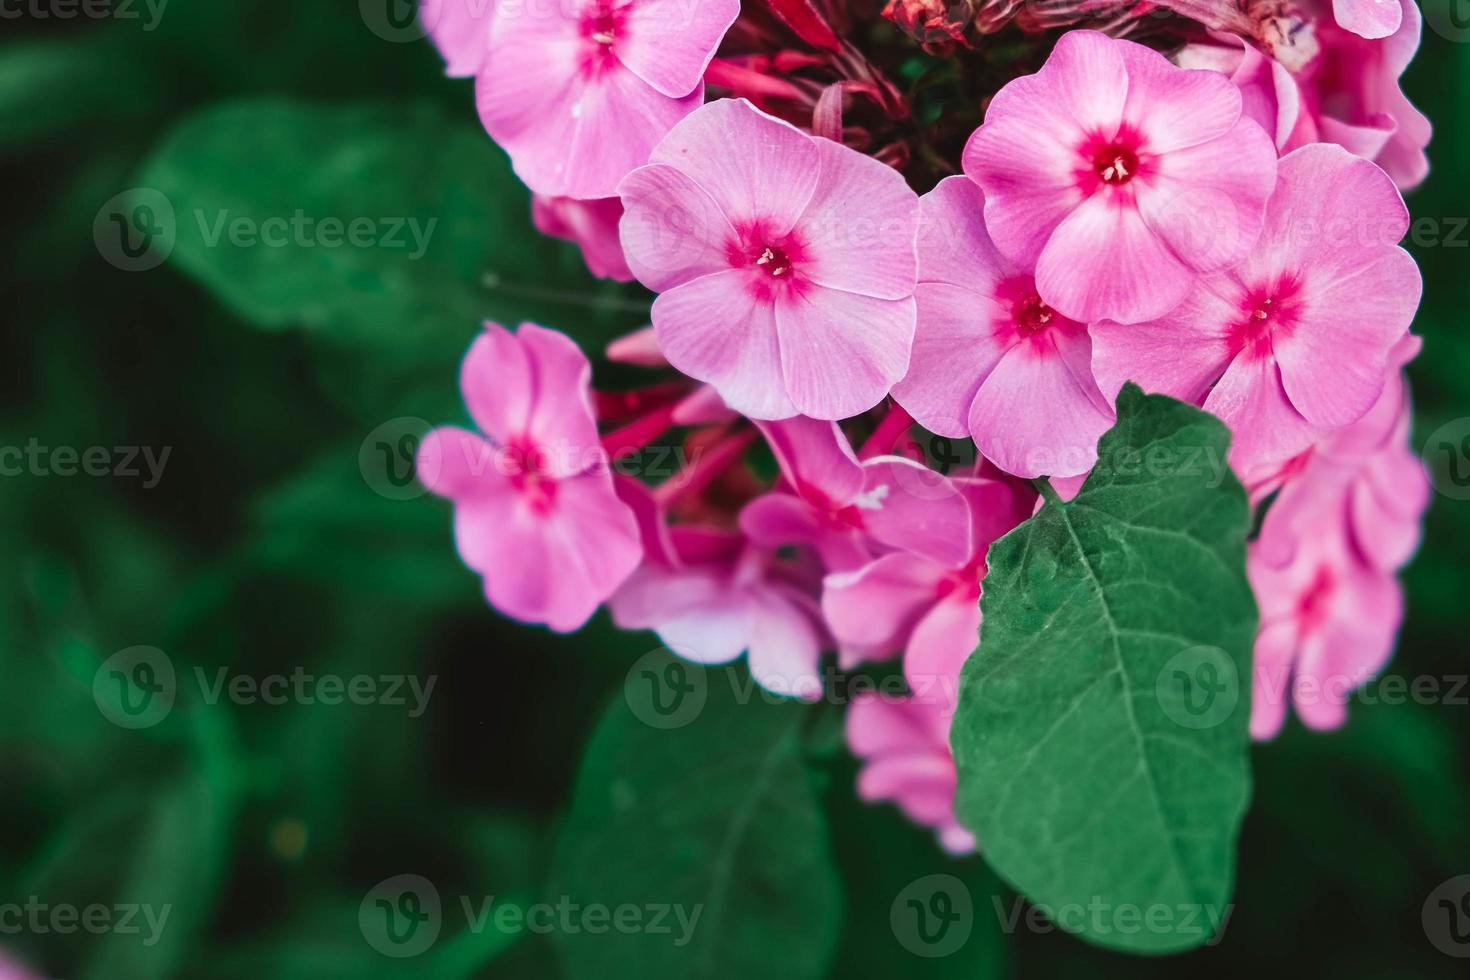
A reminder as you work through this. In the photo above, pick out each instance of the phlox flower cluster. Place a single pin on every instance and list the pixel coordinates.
(872, 336)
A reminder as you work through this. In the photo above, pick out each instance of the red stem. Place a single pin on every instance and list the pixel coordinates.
(695, 477)
(887, 434)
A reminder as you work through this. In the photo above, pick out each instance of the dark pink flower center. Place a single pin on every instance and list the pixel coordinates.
(1266, 312)
(1026, 316)
(1112, 161)
(1115, 163)
(1033, 316)
(1315, 604)
(774, 260)
(526, 467)
(962, 584)
(601, 26)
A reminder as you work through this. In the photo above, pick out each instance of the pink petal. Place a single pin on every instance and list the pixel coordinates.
(785, 646)
(619, 120)
(672, 231)
(1023, 155)
(1326, 201)
(1368, 18)
(953, 244)
(878, 605)
(942, 642)
(692, 610)
(954, 350)
(840, 352)
(1180, 355)
(1264, 426)
(1208, 202)
(1359, 304)
(534, 383)
(866, 249)
(1272, 663)
(815, 456)
(591, 225)
(1104, 263)
(755, 166)
(903, 506)
(737, 351)
(456, 464)
(669, 43)
(1039, 413)
(460, 30)
(1176, 108)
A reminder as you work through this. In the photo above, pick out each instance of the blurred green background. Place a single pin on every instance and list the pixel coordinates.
(274, 539)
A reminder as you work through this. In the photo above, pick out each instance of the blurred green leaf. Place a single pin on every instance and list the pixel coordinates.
(387, 225)
(715, 824)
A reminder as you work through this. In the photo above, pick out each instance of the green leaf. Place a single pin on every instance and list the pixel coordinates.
(265, 194)
(714, 823)
(1101, 733)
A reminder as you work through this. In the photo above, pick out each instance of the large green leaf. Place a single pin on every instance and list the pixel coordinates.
(713, 828)
(1101, 734)
(264, 195)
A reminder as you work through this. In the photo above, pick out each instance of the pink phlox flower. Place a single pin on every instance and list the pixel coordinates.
(991, 360)
(903, 745)
(535, 513)
(1295, 340)
(926, 606)
(844, 508)
(1119, 177)
(579, 91)
(711, 594)
(1328, 618)
(591, 225)
(784, 263)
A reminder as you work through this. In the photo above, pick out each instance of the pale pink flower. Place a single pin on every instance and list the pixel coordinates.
(903, 745)
(591, 225)
(1366, 473)
(841, 507)
(785, 263)
(710, 595)
(460, 29)
(579, 91)
(534, 509)
(927, 607)
(991, 360)
(1294, 340)
(1328, 621)
(1119, 177)
(1330, 85)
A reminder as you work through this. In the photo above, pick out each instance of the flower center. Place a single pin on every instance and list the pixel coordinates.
(1033, 316)
(774, 261)
(529, 476)
(601, 27)
(1266, 312)
(1115, 164)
